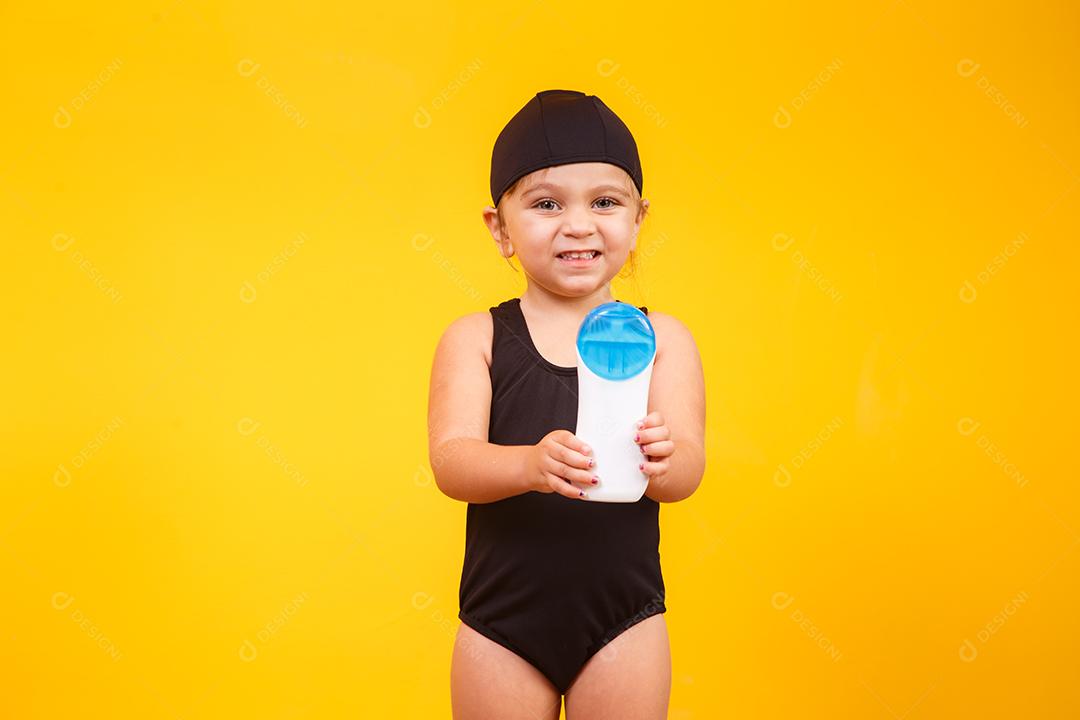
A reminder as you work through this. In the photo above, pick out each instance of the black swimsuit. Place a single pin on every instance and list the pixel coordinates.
(552, 578)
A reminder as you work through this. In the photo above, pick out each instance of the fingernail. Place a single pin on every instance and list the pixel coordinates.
(642, 449)
(592, 461)
(582, 493)
(641, 425)
(641, 466)
(595, 480)
(587, 450)
(637, 438)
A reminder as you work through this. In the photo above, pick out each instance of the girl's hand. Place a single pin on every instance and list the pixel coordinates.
(654, 439)
(559, 463)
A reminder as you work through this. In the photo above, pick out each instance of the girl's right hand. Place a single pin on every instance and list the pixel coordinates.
(562, 463)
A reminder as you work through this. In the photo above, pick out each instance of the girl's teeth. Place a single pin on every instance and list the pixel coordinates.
(577, 256)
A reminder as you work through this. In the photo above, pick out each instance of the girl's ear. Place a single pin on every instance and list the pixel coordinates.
(637, 223)
(642, 211)
(498, 232)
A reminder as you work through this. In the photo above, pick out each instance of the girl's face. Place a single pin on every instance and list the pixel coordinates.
(581, 206)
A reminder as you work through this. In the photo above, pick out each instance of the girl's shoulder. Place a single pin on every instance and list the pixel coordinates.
(472, 332)
(672, 334)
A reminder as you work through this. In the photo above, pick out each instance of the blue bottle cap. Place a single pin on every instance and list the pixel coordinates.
(616, 341)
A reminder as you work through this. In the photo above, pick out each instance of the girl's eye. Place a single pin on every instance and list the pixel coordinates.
(603, 199)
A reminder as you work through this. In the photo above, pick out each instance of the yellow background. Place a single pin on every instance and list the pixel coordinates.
(234, 234)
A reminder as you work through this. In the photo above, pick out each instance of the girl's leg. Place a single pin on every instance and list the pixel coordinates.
(628, 679)
(489, 681)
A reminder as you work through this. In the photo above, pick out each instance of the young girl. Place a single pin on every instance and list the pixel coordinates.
(559, 595)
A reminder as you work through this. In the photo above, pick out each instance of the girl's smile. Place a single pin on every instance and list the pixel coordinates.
(585, 259)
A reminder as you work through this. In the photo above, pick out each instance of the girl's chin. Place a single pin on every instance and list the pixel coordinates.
(580, 283)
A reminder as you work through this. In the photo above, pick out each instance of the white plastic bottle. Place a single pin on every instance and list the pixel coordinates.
(616, 347)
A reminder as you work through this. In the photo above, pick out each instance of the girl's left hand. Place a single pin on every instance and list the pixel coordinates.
(654, 438)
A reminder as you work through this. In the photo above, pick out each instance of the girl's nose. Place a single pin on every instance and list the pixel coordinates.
(578, 221)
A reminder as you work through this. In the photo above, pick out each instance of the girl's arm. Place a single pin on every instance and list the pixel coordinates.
(677, 392)
(466, 466)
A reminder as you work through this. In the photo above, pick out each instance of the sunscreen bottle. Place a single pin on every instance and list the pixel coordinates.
(616, 347)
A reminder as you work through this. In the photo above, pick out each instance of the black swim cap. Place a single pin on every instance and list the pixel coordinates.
(558, 127)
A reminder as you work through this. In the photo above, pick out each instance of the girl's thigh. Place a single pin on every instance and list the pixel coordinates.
(489, 681)
(629, 678)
